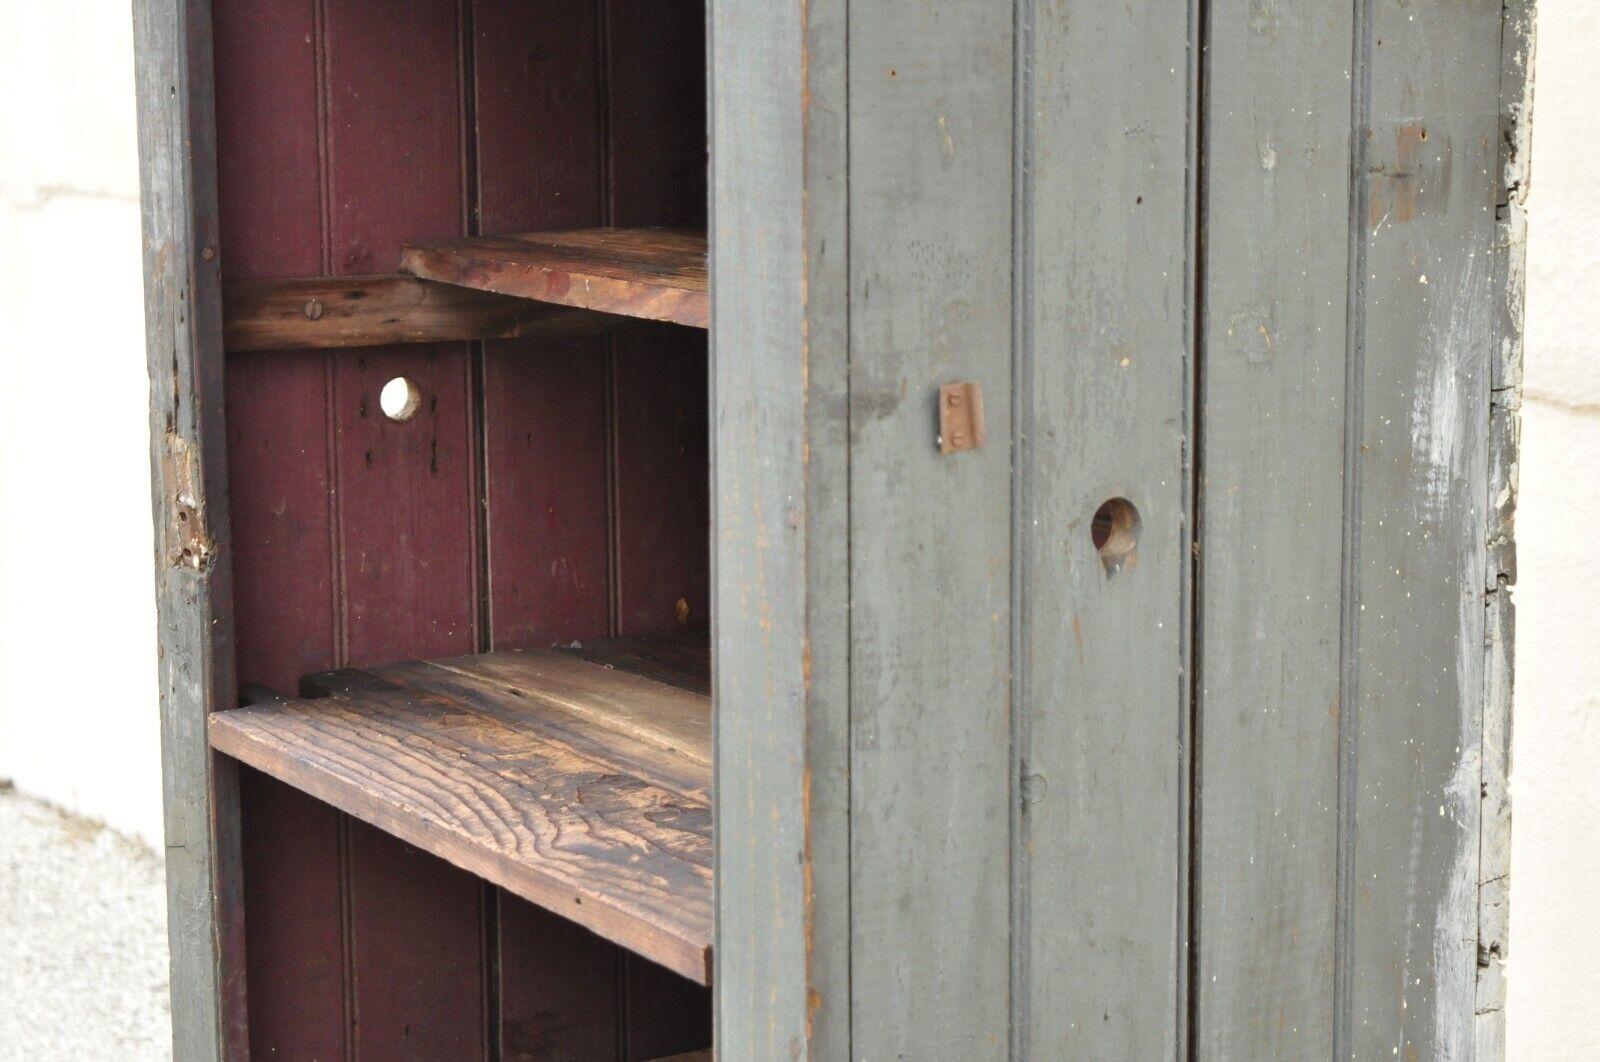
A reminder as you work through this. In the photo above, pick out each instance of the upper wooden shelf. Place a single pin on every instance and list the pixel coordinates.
(577, 779)
(659, 274)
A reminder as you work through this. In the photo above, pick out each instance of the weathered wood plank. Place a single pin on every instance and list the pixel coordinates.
(1272, 431)
(318, 312)
(682, 660)
(640, 708)
(659, 274)
(573, 785)
(930, 177)
(1428, 320)
(780, 361)
(189, 494)
(1494, 844)
(1102, 393)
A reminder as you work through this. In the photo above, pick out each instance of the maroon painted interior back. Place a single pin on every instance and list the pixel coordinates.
(547, 490)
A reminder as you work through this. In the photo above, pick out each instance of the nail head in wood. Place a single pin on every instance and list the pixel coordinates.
(960, 416)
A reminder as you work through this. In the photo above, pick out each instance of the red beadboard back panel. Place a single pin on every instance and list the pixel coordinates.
(416, 953)
(270, 198)
(295, 961)
(658, 177)
(666, 1015)
(663, 496)
(544, 492)
(656, 59)
(539, 109)
(407, 498)
(540, 113)
(559, 988)
(266, 58)
(396, 172)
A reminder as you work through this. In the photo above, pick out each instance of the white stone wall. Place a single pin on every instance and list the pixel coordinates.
(78, 721)
(1553, 1007)
(78, 717)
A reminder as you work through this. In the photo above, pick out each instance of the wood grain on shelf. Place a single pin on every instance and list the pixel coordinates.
(682, 660)
(369, 311)
(573, 784)
(658, 274)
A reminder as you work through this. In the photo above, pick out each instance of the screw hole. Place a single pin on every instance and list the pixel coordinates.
(400, 399)
(1115, 531)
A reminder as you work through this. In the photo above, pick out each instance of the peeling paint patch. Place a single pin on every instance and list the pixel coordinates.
(1410, 175)
(187, 542)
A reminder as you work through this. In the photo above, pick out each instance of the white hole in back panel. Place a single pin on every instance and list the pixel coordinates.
(400, 399)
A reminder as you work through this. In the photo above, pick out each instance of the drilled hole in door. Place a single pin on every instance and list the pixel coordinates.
(400, 399)
(1115, 530)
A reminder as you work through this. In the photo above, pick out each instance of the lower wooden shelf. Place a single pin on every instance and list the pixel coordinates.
(578, 779)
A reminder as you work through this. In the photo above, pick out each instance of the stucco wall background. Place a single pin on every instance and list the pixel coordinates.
(1553, 989)
(78, 723)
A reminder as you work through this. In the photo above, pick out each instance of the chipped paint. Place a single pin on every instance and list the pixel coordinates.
(188, 544)
(1411, 174)
(1444, 395)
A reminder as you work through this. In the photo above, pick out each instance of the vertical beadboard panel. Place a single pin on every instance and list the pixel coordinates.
(930, 535)
(1272, 431)
(1428, 320)
(280, 464)
(189, 501)
(1102, 394)
(780, 459)
(407, 498)
(539, 134)
(657, 176)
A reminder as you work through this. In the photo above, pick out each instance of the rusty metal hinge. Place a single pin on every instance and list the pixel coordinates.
(960, 417)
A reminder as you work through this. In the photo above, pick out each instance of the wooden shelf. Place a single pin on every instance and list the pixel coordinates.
(578, 779)
(370, 311)
(658, 274)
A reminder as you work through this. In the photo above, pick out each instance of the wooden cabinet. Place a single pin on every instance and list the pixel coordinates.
(868, 530)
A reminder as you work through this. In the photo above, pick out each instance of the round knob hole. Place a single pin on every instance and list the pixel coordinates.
(400, 399)
(1115, 530)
